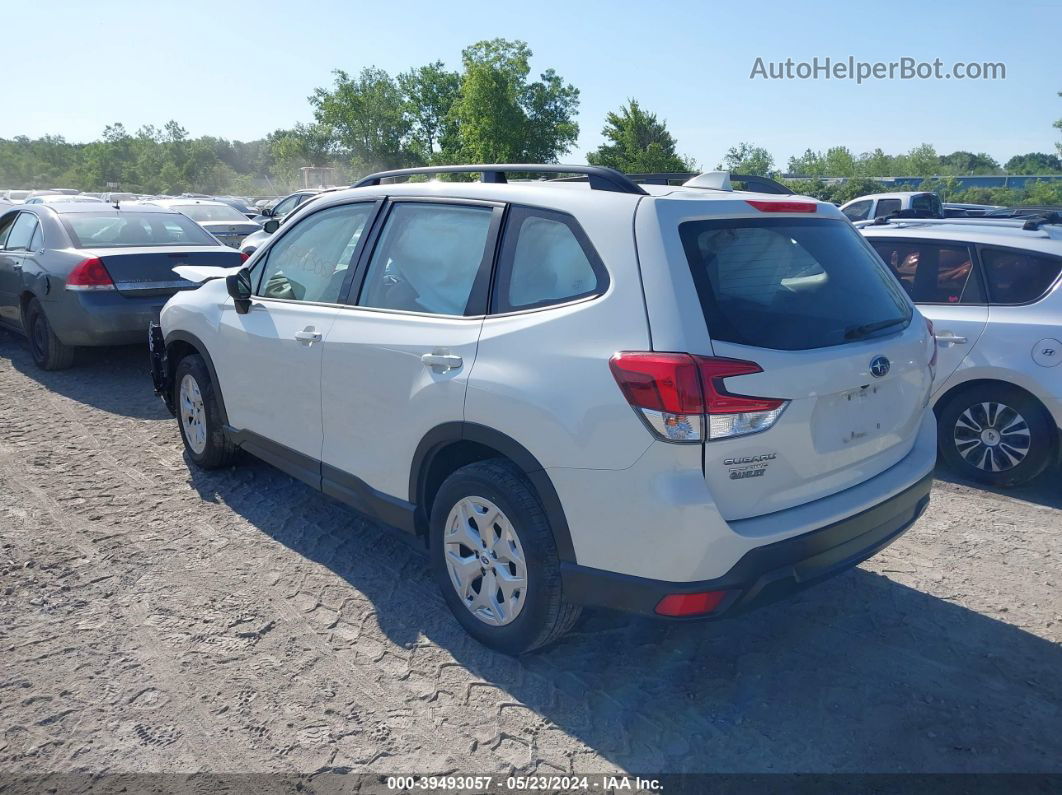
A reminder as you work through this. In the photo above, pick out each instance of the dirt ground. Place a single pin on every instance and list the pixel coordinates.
(154, 618)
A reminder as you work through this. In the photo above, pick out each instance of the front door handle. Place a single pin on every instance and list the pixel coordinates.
(441, 361)
(308, 336)
(947, 338)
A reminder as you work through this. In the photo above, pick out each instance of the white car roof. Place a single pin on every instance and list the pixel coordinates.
(567, 196)
(1004, 232)
(900, 194)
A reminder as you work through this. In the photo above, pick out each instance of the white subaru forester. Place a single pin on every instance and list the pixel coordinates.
(677, 401)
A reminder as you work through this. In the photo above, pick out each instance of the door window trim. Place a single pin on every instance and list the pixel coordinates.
(476, 307)
(975, 262)
(1030, 252)
(36, 223)
(263, 259)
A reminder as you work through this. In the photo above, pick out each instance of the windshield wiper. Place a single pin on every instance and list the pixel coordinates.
(859, 332)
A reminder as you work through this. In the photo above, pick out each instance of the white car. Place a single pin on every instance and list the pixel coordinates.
(882, 205)
(992, 290)
(653, 398)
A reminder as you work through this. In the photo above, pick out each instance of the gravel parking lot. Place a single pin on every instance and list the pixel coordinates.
(158, 619)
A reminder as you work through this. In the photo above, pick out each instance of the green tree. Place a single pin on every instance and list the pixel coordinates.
(962, 162)
(1033, 163)
(839, 162)
(876, 164)
(809, 164)
(747, 159)
(501, 117)
(366, 117)
(430, 93)
(922, 161)
(638, 143)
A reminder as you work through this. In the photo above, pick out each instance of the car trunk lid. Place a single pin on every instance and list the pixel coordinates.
(148, 271)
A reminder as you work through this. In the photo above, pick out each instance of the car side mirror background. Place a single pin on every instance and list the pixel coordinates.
(239, 286)
(271, 226)
(267, 212)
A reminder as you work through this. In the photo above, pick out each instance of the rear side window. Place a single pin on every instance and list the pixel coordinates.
(858, 211)
(1018, 277)
(886, 207)
(546, 259)
(932, 273)
(115, 229)
(791, 284)
(428, 259)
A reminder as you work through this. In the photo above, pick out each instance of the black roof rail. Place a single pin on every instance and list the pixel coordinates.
(600, 178)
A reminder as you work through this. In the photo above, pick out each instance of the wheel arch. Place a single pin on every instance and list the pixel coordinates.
(449, 446)
(183, 343)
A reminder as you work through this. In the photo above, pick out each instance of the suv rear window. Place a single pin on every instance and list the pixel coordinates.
(791, 283)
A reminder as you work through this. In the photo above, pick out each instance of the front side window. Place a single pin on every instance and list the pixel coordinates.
(1018, 277)
(932, 273)
(311, 261)
(858, 211)
(886, 207)
(546, 259)
(428, 258)
(22, 232)
(287, 205)
(791, 284)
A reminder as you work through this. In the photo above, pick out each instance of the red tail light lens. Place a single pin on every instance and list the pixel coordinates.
(244, 256)
(690, 604)
(782, 207)
(673, 393)
(89, 274)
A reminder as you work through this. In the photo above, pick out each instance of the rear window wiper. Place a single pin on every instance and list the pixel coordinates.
(859, 332)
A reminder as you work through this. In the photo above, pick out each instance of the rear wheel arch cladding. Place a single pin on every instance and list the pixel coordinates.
(188, 344)
(441, 437)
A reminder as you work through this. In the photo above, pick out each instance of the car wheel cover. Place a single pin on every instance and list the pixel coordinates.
(485, 561)
(992, 436)
(193, 414)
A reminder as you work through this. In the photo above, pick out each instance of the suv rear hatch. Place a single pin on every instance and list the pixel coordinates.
(828, 338)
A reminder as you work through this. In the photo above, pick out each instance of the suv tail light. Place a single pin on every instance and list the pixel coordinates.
(244, 256)
(682, 397)
(89, 274)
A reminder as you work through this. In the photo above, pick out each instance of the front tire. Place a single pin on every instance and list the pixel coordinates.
(495, 560)
(199, 417)
(996, 434)
(48, 351)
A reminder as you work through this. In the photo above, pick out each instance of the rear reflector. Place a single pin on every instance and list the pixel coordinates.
(690, 604)
(782, 207)
(682, 397)
(89, 274)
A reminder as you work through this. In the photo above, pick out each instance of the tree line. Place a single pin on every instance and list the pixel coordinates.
(492, 109)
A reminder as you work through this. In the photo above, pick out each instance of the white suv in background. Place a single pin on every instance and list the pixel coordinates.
(882, 205)
(992, 290)
(677, 401)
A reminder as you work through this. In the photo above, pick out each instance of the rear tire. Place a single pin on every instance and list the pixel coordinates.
(48, 351)
(199, 417)
(501, 545)
(996, 434)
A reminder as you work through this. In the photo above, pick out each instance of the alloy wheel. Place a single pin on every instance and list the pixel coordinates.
(992, 436)
(193, 414)
(485, 561)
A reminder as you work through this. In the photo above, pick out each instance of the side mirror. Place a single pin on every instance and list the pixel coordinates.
(267, 212)
(271, 226)
(239, 286)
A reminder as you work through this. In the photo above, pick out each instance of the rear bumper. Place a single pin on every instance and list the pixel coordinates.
(764, 574)
(103, 317)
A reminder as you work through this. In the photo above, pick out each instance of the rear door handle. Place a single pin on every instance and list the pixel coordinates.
(308, 336)
(440, 361)
(948, 338)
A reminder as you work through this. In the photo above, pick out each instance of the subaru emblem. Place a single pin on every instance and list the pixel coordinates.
(879, 366)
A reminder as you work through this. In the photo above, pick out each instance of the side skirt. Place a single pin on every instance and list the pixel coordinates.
(334, 482)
